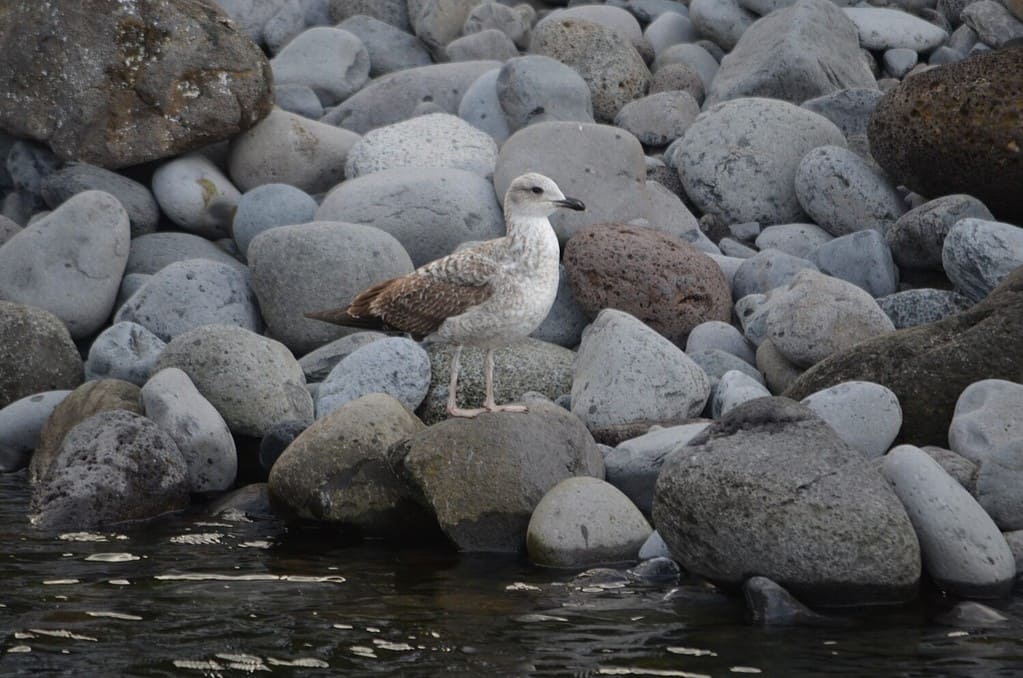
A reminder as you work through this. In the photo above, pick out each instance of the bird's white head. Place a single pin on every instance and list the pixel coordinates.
(534, 195)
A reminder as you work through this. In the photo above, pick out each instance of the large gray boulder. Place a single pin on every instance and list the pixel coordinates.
(770, 480)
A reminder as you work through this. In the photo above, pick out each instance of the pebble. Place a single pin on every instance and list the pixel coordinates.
(977, 254)
(883, 29)
(678, 77)
(962, 548)
(797, 240)
(723, 21)
(583, 522)
(489, 44)
(658, 119)
(76, 177)
(332, 62)
(988, 416)
(692, 56)
(864, 414)
(734, 388)
(899, 61)
(171, 400)
(267, 206)
(195, 195)
(722, 336)
(70, 262)
(396, 366)
(289, 149)
(126, 351)
(20, 424)
(148, 254)
(920, 306)
(767, 270)
(916, 238)
(626, 372)
(438, 140)
(515, 22)
(317, 364)
(390, 49)
(536, 88)
(862, 258)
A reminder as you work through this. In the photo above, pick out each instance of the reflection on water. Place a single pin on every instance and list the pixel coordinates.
(189, 596)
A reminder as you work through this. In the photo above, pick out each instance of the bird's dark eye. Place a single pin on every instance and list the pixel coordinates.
(537, 190)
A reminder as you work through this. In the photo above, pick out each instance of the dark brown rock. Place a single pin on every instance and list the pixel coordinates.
(36, 353)
(668, 284)
(87, 400)
(116, 83)
(929, 366)
(956, 129)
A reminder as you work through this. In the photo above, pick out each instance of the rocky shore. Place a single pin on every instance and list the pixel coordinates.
(787, 349)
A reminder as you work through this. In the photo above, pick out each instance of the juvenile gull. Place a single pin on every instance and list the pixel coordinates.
(489, 295)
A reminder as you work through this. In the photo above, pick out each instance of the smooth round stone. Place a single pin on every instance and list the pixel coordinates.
(195, 195)
(150, 253)
(917, 237)
(988, 416)
(614, 18)
(46, 359)
(734, 388)
(626, 372)
(765, 271)
(332, 62)
(693, 56)
(289, 149)
(298, 99)
(797, 240)
(318, 266)
(721, 336)
(394, 12)
(945, 55)
(678, 77)
(488, 44)
(276, 440)
(779, 372)
(481, 107)
(20, 424)
(536, 88)
(882, 29)
(566, 320)
(998, 485)
(739, 158)
(267, 206)
(515, 22)
(670, 29)
(251, 17)
(396, 366)
(606, 60)
(254, 382)
(658, 119)
(189, 294)
(977, 254)
(171, 400)
(733, 248)
(816, 315)
(850, 110)
(715, 363)
(76, 177)
(843, 193)
(318, 363)
(126, 351)
(438, 22)
(993, 22)
(899, 61)
(961, 547)
(959, 467)
(864, 414)
(910, 308)
(429, 211)
(390, 48)
(862, 258)
(582, 522)
(751, 311)
(728, 265)
(438, 140)
(70, 262)
(723, 21)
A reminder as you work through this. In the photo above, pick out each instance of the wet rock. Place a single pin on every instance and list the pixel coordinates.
(276, 440)
(249, 502)
(162, 78)
(20, 424)
(125, 351)
(771, 605)
(390, 48)
(865, 415)
(396, 366)
(36, 353)
(971, 614)
(332, 62)
(921, 306)
(656, 570)
(916, 238)
(196, 195)
(978, 254)
(862, 258)
(77, 177)
(268, 206)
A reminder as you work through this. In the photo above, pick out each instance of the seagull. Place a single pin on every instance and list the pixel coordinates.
(488, 295)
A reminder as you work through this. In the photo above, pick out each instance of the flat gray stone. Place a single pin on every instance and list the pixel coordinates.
(536, 88)
(864, 414)
(988, 416)
(267, 206)
(195, 195)
(881, 29)
(977, 254)
(77, 177)
(921, 306)
(390, 48)
(332, 62)
(797, 240)
(862, 258)
(395, 366)
(126, 351)
(20, 424)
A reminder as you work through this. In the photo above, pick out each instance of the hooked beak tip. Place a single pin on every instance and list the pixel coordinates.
(572, 204)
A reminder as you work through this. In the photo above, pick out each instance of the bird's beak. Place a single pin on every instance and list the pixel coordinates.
(571, 203)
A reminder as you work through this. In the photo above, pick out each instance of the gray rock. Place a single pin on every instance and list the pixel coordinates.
(778, 371)
(816, 315)
(899, 61)
(394, 97)
(614, 18)
(658, 119)
(395, 366)
(195, 195)
(993, 23)
(959, 467)
(723, 21)
(864, 414)
(583, 522)
(289, 149)
(977, 254)
(171, 400)
(317, 364)
(394, 12)
(70, 262)
(191, 293)
(770, 479)
(734, 388)
(20, 424)
(694, 56)
(625, 373)
(250, 502)
(267, 206)
(670, 29)
(882, 29)
(481, 107)
(715, 363)
(149, 254)
(126, 351)
(998, 485)
(843, 193)
(390, 48)
(254, 382)
(566, 320)
(515, 22)
(488, 509)
(962, 549)
(715, 334)
(850, 109)
(751, 311)
(8, 229)
(633, 465)
(489, 44)
(797, 240)
(284, 26)
(678, 77)
(988, 416)
(113, 467)
(439, 140)
(766, 271)
(862, 258)
(76, 177)
(654, 547)
(250, 16)
(733, 248)
(804, 51)
(332, 62)
(910, 308)
(536, 88)
(739, 158)
(771, 605)
(971, 614)
(36, 353)
(1015, 541)
(916, 238)
(438, 22)
(429, 211)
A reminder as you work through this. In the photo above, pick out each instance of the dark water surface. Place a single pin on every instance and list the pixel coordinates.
(194, 596)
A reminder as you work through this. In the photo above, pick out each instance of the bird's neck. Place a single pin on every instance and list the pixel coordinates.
(533, 236)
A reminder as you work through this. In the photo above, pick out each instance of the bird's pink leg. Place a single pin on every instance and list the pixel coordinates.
(452, 408)
(489, 404)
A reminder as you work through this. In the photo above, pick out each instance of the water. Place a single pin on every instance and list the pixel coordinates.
(194, 596)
